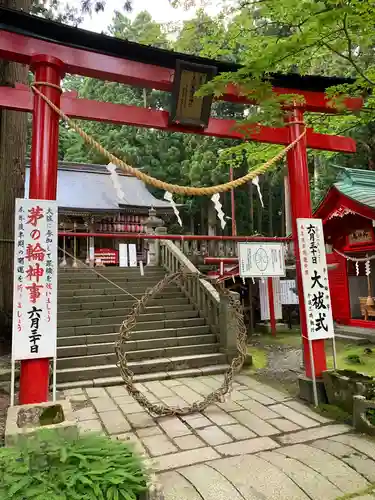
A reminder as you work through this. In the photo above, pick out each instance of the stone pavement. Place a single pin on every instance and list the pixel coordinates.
(262, 444)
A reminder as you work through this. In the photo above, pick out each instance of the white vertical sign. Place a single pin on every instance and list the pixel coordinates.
(132, 255)
(264, 300)
(91, 249)
(288, 292)
(315, 279)
(123, 255)
(35, 280)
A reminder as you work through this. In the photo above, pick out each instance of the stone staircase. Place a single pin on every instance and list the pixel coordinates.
(171, 339)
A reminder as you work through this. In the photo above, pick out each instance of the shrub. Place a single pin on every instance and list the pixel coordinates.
(89, 467)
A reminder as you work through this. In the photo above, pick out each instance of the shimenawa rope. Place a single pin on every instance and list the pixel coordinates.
(148, 179)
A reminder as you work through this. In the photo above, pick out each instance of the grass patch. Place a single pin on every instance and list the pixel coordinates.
(333, 412)
(358, 494)
(259, 358)
(349, 357)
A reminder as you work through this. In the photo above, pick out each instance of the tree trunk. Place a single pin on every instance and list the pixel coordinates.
(13, 138)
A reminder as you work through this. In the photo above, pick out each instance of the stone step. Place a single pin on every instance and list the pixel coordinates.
(145, 317)
(85, 360)
(135, 336)
(65, 351)
(112, 303)
(99, 284)
(117, 295)
(101, 313)
(113, 328)
(89, 276)
(144, 377)
(112, 290)
(352, 339)
(363, 333)
(141, 367)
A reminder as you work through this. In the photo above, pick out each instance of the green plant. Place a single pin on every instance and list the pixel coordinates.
(370, 414)
(354, 359)
(89, 467)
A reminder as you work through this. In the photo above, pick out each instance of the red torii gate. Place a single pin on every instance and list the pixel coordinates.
(52, 49)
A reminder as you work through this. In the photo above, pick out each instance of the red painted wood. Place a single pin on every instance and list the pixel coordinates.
(339, 289)
(361, 323)
(335, 199)
(34, 376)
(20, 99)
(20, 48)
(300, 199)
(180, 237)
(271, 301)
(312, 101)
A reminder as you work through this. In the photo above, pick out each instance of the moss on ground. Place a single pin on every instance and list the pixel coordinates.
(259, 358)
(354, 357)
(349, 357)
(333, 412)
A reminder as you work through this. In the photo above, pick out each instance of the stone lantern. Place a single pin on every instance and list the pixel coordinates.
(154, 225)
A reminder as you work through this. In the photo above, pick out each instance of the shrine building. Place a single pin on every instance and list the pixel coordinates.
(89, 202)
(348, 214)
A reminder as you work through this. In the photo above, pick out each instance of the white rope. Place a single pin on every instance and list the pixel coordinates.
(355, 259)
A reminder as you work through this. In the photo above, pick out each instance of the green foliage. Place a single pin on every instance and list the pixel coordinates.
(354, 359)
(89, 467)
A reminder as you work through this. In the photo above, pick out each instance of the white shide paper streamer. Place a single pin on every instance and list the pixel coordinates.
(115, 180)
(169, 197)
(218, 207)
(255, 181)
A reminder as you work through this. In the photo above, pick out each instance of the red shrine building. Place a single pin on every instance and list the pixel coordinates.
(348, 214)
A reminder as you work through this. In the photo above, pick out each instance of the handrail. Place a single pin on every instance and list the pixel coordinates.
(201, 293)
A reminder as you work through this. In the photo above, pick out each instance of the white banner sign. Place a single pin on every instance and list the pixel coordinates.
(35, 280)
(132, 255)
(288, 292)
(123, 254)
(261, 260)
(315, 279)
(264, 300)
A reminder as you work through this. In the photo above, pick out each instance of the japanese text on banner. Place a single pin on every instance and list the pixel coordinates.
(35, 272)
(315, 279)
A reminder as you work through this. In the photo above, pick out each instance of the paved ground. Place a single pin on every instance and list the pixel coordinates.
(259, 445)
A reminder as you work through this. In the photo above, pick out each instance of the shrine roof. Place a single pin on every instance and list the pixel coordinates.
(357, 184)
(36, 27)
(89, 187)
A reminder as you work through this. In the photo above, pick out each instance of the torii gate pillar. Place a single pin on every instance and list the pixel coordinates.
(34, 377)
(300, 201)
